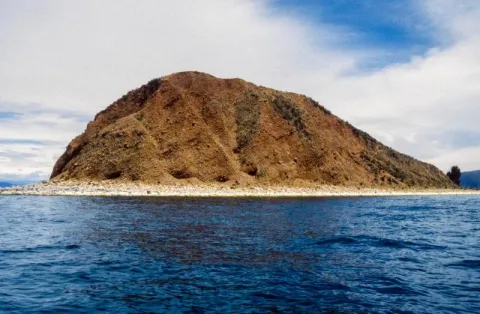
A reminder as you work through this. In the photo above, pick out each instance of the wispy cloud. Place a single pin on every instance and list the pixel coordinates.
(433, 98)
(33, 138)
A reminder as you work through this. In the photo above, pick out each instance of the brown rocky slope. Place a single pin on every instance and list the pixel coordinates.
(192, 127)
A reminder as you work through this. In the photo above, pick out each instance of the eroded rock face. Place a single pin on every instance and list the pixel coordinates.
(195, 127)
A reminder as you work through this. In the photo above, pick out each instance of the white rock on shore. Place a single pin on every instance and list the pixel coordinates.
(133, 189)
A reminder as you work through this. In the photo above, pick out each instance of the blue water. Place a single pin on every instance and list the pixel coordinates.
(142, 255)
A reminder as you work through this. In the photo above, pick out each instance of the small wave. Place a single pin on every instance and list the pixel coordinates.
(72, 247)
(339, 240)
(398, 290)
(337, 286)
(29, 249)
(466, 264)
(393, 243)
(379, 242)
(267, 296)
(392, 285)
(408, 259)
(400, 244)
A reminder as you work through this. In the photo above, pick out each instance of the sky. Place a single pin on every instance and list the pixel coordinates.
(405, 71)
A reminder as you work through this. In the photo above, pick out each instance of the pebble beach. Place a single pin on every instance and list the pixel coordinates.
(106, 188)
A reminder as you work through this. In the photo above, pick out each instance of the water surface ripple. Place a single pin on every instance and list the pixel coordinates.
(142, 255)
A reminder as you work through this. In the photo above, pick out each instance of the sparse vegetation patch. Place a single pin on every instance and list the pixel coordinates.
(291, 113)
(316, 104)
(247, 116)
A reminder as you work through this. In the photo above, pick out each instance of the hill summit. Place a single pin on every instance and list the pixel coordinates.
(196, 128)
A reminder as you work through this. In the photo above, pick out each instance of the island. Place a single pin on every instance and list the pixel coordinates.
(191, 133)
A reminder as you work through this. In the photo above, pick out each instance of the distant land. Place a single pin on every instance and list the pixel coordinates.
(470, 179)
(10, 183)
(194, 128)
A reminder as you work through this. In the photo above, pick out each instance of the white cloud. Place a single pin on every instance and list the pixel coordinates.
(76, 57)
(27, 161)
(416, 106)
(467, 158)
(82, 55)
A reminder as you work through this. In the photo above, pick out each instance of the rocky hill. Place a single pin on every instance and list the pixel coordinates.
(192, 127)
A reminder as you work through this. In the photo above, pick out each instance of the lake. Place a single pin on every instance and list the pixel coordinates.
(221, 255)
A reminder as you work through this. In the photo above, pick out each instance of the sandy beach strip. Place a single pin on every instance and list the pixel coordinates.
(138, 189)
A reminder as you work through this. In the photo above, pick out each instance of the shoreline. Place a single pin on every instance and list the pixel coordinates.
(109, 189)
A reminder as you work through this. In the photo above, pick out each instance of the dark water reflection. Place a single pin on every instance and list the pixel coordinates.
(418, 255)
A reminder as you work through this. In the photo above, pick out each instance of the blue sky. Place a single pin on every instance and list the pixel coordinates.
(381, 23)
(406, 71)
(394, 27)
(9, 115)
